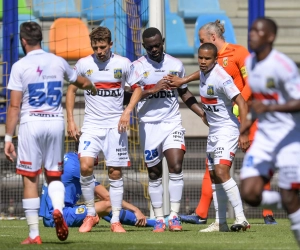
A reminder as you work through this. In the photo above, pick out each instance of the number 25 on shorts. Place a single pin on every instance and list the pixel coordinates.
(150, 154)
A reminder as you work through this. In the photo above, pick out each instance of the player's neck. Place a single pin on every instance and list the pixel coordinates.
(32, 48)
(261, 55)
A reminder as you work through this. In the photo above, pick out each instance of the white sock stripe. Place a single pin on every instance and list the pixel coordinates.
(32, 203)
(86, 180)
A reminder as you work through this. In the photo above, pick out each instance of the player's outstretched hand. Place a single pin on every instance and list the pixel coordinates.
(161, 85)
(94, 90)
(9, 150)
(141, 219)
(174, 81)
(124, 121)
(73, 130)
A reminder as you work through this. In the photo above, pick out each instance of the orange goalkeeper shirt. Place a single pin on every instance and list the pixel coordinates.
(232, 58)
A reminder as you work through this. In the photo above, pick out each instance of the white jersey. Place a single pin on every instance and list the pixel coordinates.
(40, 76)
(274, 80)
(105, 109)
(216, 91)
(162, 106)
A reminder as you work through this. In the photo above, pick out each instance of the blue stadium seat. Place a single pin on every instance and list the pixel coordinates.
(24, 18)
(176, 38)
(98, 10)
(50, 10)
(206, 18)
(118, 30)
(191, 9)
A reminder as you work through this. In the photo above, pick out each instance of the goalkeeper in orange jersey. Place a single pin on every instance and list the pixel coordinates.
(232, 58)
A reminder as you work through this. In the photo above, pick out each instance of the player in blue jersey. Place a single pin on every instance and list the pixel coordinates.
(73, 213)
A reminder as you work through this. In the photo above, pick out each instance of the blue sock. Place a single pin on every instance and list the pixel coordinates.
(128, 218)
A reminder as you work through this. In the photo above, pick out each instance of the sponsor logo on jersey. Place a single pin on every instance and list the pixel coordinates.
(210, 90)
(80, 210)
(106, 92)
(174, 72)
(89, 72)
(39, 70)
(225, 61)
(146, 74)
(244, 71)
(270, 83)
(159, 70)
(163, 94)
(118, 73)
(25, 165)
(211, 108)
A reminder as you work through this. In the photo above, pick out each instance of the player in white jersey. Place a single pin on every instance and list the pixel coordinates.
(275, 84)
(161, 132)
(218, 92)
(36, 85)
(105, 123)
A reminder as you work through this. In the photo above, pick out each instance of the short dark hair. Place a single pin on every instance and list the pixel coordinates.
(150, 32)
(272, 26)
(100, 33)
(31, 32)
(209, 46)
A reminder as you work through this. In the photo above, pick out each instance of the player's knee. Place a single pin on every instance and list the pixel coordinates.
(86, 170)
(154, 176)
(250, 196)
(115, 173)
(175, 168)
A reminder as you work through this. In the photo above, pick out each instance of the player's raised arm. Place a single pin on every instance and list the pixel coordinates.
(72, 128)
(176, 81)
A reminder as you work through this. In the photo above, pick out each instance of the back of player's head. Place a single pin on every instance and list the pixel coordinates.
(31, 32)
(150, 32)
(270, 24)
(100, 34)
(209, 46)
(214, 28)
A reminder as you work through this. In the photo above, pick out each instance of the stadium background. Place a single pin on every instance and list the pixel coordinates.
(66, 25)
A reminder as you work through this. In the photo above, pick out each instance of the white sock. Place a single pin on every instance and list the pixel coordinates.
(87, 189)
(56, 192)
(295, 224)
(31, 209)
(155, 190)
(234, 197)
(220, 202)
(116, 197)
(175, 190)
(271, 199)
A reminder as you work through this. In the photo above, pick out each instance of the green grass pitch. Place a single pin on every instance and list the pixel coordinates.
(260, 236)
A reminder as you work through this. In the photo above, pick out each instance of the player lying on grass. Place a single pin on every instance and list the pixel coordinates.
(74, 213)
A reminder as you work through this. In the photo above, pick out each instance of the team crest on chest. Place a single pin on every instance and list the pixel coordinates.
(89, 72)
(173, 72)
(225, 61)
(270, 83)
(210, 90)
(118, 73)
(146, 74)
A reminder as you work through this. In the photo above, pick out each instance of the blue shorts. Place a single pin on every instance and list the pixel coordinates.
(73, 216)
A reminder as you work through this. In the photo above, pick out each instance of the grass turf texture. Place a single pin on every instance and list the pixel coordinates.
(260, 236)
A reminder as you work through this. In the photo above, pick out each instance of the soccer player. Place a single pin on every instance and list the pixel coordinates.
(232, 58)
(105, 123)
(161, 132)
(218, 92)
(36, 89)
(275, 83)
(74, 214)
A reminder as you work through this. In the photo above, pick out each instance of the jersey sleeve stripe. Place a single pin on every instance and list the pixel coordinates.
(209, 100)
(108, 85)
(149, 86)
(262, 96)
(134, 86)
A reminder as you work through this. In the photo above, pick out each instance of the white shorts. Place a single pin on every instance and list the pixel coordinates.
(221, 150)
(41, 143)
(157, 137)
(263, 159)
(108, 140)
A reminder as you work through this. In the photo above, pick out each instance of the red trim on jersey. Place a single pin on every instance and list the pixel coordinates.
(225, 162)
(149, 86)
(53, 173)
(295, 185)
(183, 147)
(209, 100)
(26, 162)
(232, 154)
(128, 164)
(27, 173)
(108, 85)
(134, 86)
(261, 96)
